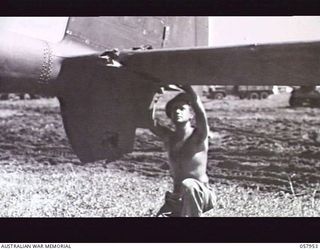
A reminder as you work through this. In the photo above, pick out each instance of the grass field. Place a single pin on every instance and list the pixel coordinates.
(263, 161)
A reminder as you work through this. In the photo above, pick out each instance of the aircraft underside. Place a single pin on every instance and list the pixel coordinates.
(105, 92)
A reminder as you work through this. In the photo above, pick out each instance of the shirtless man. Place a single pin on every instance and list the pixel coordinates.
(188, 153)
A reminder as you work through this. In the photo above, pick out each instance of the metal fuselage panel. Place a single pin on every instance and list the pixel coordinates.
(30, 65)
(127, 32)
(26, 64)
(102, 105)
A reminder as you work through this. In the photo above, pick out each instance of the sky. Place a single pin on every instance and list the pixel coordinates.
(46, 28)
(228, 31)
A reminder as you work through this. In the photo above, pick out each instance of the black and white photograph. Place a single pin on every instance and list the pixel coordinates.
(159, 116)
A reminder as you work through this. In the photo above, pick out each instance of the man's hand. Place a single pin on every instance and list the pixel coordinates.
(152, 106)
(154, 125)
(190, 91)
(156, 97)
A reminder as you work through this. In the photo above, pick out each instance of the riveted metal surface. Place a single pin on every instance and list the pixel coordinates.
(26, 64)
(125, 32)
(46, 68)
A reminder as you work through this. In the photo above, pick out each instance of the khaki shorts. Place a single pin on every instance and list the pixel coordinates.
(195, 198)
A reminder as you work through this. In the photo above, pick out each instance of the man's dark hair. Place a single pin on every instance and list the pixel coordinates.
(182, 97)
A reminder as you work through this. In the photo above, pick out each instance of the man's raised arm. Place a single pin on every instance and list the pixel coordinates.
(202, 129)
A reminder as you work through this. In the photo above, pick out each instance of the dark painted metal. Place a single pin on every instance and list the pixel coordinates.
(277, 64)
(101, 108)
(102, 105)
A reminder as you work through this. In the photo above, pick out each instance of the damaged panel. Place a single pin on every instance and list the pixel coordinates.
(101, 107)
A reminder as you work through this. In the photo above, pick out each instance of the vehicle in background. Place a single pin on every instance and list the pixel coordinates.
(18, 96)
(280, 89)
(305, 96)
(242, 91)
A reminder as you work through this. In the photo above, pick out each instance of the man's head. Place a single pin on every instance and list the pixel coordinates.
(179, 109)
